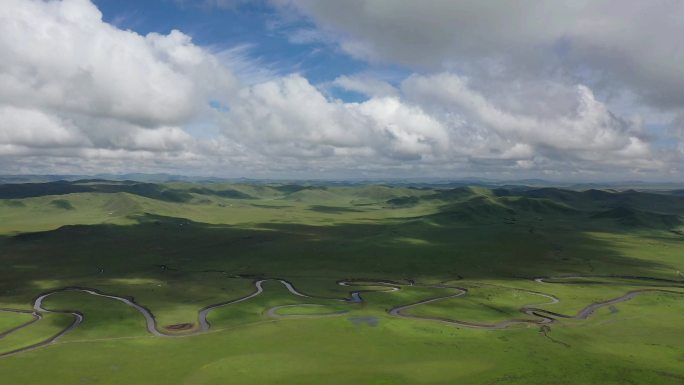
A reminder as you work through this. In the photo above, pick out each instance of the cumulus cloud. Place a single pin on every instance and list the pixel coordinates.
(366, 85)
(69, 79)
(26, 127)
(629, 43)
(591, 127)
(435, 120)
(289, 116)
(75, 88)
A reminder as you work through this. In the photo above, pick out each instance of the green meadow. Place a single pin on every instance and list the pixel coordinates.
(177, 248)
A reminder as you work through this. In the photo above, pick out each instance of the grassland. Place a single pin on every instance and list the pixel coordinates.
(179, 247)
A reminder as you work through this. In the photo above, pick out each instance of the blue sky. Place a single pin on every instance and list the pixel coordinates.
(254, 24)
(335, 89)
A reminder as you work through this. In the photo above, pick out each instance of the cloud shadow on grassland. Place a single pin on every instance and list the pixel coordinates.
(398, 249)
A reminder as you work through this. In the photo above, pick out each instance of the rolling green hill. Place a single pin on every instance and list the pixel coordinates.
(454, 259)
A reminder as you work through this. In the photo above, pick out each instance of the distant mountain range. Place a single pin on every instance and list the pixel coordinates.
(98, 199)
(417, 182)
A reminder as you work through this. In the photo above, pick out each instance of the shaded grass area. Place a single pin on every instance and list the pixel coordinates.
(50, 325)
(312, 310)
(481, 304)
(176, 298)
(253, 310)
(174, 248)
(9, 320)
(103, 317)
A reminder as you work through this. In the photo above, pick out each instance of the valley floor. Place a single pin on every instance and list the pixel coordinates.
(282, 284)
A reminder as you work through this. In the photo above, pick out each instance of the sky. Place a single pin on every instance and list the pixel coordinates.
(582, 90)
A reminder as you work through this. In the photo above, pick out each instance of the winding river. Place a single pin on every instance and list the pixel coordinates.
(537, 316)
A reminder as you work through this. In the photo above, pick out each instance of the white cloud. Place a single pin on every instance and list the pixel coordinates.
(248, 69)
(24, 127)
(291, 109)
(590, 128)
(289, 116)
(405, 131)
(80, 95)
(59, 55)
(365, 85)
(433, 120)
(628, 43)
